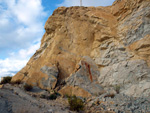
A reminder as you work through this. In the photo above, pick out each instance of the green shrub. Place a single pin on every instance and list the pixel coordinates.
(6, 80)
(27, 87)
(76, 104)
(117, 88)
(52, 96)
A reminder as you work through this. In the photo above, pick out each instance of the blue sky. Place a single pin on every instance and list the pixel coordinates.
(22, 27)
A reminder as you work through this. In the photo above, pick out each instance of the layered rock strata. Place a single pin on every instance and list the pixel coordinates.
(86, 50)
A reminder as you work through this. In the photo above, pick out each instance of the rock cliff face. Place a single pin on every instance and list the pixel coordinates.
(88, 50)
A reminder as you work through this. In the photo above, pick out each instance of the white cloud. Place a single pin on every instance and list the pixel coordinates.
(16, 60)
(21, 22)
(27, 11)
(68, 3)
(21, 28)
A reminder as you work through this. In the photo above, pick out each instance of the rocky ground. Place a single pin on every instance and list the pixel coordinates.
(13, 99)
(120, 103)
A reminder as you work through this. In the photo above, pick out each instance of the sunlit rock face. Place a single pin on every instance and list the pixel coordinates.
(86, 50)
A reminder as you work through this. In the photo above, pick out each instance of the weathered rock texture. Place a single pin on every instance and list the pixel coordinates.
(13, 99)
(86, 49)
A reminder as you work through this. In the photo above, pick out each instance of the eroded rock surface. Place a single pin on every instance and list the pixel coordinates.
(85, 79)
(132, 77)
(120, 103)
(51, 81)
(116, 38)
(14, 99)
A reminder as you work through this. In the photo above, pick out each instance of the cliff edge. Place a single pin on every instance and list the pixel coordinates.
(88, 51)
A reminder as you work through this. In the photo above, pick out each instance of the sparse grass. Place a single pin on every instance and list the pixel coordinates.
(27, 87)
(76, 104)
(52, 96)
(117, 88)
(6, 80)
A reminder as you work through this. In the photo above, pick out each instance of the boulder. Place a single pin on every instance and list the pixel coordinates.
(84, 79)
(50, 81)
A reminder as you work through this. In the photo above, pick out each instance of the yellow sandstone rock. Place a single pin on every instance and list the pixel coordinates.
(106, 35)
(1, 86)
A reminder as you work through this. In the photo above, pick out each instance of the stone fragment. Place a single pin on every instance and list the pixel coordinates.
(85, 78)
(51, 79)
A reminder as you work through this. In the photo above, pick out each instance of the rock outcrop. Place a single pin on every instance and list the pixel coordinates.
(86, 50)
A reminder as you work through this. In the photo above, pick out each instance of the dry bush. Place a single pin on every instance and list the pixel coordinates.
(6, 80)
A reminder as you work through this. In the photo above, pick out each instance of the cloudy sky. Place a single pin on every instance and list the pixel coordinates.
(22, 27)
